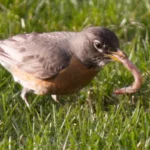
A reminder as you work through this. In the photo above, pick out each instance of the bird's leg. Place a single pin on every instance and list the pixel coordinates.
(89, 100)
(55, 98)
(24, 96)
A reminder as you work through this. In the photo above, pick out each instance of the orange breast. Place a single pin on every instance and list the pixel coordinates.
(69, 80)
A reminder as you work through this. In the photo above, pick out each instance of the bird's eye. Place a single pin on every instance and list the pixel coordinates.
(97, 44)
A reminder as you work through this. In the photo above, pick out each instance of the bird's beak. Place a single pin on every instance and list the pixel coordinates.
(116, 55)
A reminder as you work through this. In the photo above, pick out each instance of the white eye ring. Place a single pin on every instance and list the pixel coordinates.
(98, 45)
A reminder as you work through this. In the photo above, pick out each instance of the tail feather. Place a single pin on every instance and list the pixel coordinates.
(5, 60)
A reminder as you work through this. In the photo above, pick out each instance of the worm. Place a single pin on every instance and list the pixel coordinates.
(136, 85)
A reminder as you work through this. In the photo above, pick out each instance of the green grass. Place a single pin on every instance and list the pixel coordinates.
(97, 121)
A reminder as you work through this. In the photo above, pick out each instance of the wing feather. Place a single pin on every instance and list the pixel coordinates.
(43, 55)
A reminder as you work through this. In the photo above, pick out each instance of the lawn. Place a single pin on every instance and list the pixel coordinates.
(94, 118)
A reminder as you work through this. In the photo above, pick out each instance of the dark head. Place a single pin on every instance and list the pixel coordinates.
(96, 46)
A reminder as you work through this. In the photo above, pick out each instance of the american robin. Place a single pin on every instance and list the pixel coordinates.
(58, 62)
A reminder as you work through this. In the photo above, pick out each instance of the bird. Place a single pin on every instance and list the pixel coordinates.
(58, 62)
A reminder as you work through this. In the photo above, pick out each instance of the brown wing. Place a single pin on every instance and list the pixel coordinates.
(43, 55)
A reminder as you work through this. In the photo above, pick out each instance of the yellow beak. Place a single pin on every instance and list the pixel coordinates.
(116, 55)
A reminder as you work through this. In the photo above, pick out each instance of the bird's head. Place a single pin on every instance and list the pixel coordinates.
(98, 46)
